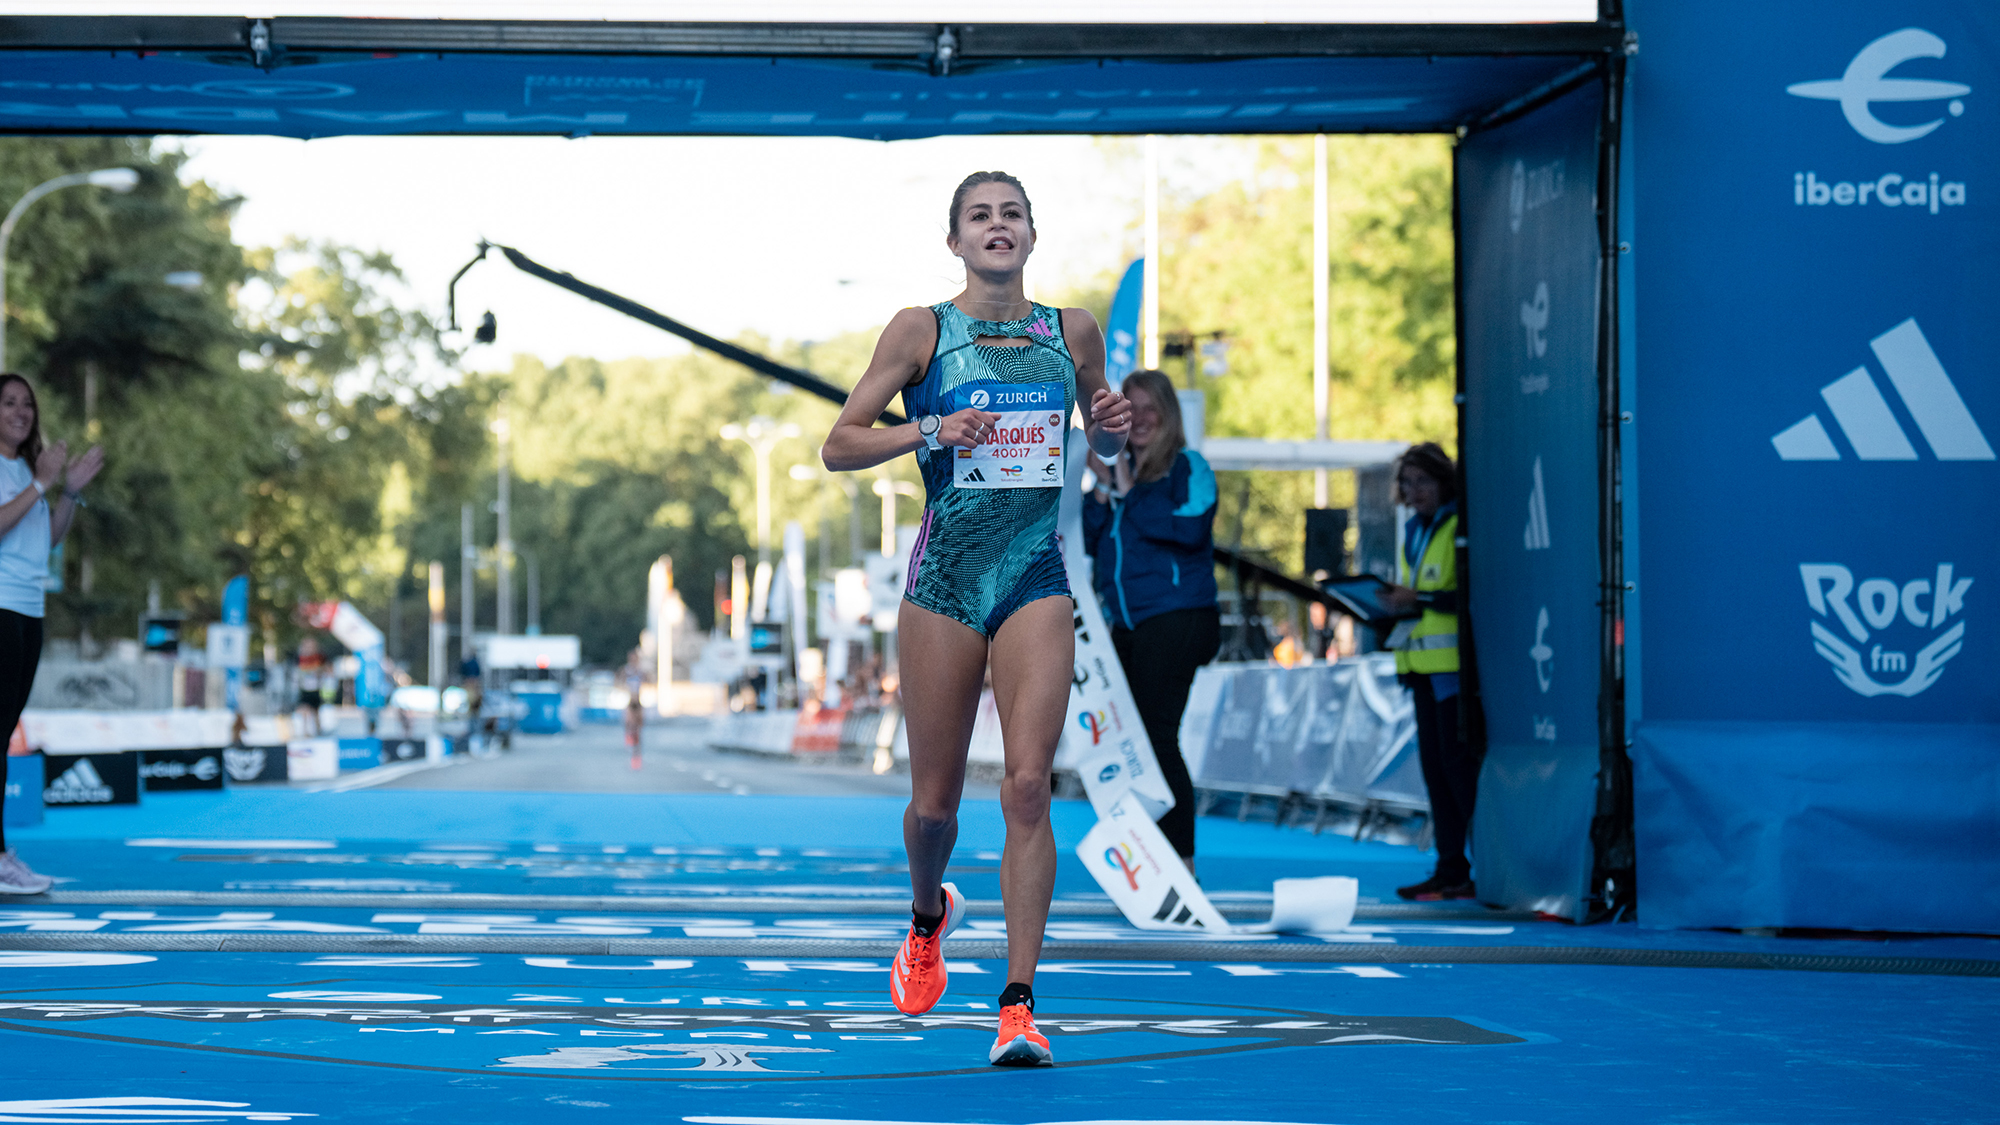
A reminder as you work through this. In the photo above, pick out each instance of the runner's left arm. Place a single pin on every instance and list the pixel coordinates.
(1110, 415)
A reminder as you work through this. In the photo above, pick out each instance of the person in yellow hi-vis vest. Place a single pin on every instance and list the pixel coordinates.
(1427, 660)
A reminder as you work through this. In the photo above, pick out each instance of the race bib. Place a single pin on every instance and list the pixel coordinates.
(1025, 449)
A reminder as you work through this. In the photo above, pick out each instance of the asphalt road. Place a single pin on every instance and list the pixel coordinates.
(675, 759)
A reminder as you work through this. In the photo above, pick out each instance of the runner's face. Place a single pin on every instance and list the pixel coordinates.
(1145, 417)
(993, 235)
(17, 417)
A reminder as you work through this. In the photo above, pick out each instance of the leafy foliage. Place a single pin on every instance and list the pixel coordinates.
(1238, 260)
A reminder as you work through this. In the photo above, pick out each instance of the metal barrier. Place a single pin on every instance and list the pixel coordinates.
(1338, 739)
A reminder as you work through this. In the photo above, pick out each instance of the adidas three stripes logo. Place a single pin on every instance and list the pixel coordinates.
(1865, 419)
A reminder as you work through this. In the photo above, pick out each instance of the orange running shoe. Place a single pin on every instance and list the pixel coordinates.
(917, 976)
(1019, 1043)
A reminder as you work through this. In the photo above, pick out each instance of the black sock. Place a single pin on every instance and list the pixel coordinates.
(1018, 993)
(926, 924)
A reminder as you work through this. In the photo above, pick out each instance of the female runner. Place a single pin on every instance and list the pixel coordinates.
(989, 380)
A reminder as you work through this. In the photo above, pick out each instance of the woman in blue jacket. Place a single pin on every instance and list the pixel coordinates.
(1151, 534)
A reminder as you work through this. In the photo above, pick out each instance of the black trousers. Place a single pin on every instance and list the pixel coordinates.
(1160, 656)
(1451, 773)
(20, 654)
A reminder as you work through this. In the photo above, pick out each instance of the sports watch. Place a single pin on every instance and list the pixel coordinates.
(927, 428)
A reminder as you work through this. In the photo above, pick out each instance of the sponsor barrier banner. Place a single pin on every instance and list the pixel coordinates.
(181, 769)
(255, 763)
(359, 753)
(92, 779)
(312, 759)
(1816, 419)
(23, 802)
(1103, 739)
(1341, 732)
(402, 750)
(1135, 865)
(819, 730)
(1527, 200)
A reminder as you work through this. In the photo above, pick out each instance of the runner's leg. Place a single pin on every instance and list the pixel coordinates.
(942, 665)
(1033, 659)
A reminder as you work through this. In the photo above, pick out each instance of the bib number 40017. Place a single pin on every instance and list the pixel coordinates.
(1025, 449)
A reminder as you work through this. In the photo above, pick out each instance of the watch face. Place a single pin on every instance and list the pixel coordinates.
(928, 424)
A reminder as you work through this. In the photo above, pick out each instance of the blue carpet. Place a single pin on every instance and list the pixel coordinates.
(1231, 855)
(720, 1042)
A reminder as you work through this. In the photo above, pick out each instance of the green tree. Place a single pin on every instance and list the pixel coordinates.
(1238, 260)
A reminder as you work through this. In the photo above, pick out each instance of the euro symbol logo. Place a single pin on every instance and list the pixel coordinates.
(1866, 81)
(1543, 655)
(1120, 856)
(1092, 721)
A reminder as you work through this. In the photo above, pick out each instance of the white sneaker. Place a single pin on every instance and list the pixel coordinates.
(16, 878)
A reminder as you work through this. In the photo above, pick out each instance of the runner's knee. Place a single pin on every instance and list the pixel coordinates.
(934, 822)
(1024, 797)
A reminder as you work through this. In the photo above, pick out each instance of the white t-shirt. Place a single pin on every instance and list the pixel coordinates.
(24, 550)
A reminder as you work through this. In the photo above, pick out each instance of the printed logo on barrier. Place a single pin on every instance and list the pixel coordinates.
(1535, 319)
(1925, 604)
(273, 88)
(1543, 656)
(243, 765)
(1095, 722)
(78, 785)
(1536, 536)
(1120, 857)
(1866, 81)
(1529, 189)
(1864, 417)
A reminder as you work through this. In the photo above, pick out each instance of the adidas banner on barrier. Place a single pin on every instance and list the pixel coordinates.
(92, 779)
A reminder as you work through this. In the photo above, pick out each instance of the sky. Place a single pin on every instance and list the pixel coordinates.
(794, 238)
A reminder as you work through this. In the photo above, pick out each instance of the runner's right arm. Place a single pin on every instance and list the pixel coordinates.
(900, 358)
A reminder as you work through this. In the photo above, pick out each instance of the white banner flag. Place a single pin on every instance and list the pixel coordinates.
(1103, 738)
(1136, 866)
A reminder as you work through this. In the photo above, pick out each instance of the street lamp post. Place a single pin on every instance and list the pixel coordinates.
(762, 435)
(503, 541)
(807, 472)
(120, 180)
(888, 489)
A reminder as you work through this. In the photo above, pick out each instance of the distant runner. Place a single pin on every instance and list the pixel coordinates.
(990, 380)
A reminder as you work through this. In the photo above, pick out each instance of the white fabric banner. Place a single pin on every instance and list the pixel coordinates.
(1135, 865)
(1103, 739)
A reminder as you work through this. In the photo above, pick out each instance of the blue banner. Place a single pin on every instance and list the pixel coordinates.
(427, 92)
(1527, 200)
(1121, 328)
(1816, 416)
